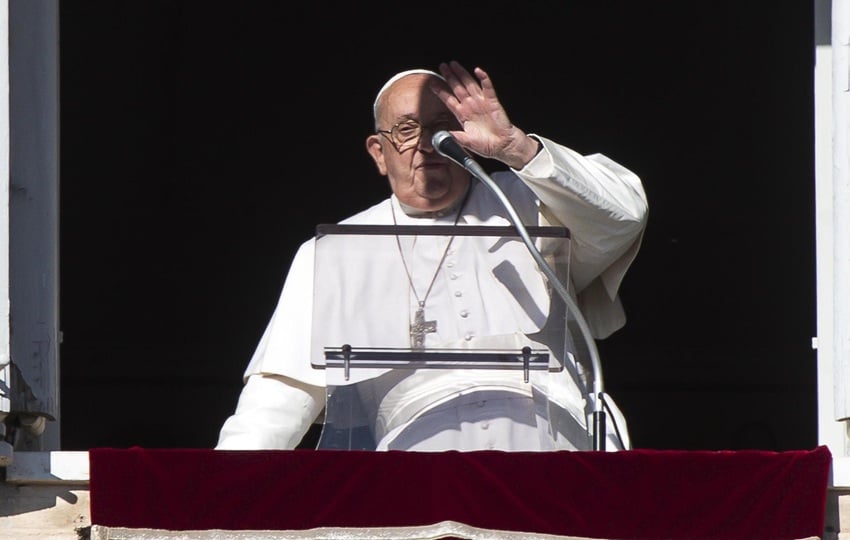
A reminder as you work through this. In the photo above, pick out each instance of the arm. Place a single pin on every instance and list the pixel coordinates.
(274, 412)
(602, 203)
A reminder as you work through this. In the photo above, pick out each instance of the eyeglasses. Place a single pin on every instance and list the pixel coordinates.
(405, 135)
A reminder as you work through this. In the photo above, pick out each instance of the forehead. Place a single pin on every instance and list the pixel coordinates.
(411, 97)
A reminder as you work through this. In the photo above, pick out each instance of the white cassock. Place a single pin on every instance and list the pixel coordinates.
(483, 295)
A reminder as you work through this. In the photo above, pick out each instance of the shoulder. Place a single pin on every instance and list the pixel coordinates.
(376, 214)
(485, 207)
(509, 182)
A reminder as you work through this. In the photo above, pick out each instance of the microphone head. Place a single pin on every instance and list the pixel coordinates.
(447, 146)
(438, 137)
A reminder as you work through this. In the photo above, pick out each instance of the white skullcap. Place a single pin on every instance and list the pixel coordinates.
(396, 77)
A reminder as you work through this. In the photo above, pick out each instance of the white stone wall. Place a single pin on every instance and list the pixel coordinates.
(45, 497)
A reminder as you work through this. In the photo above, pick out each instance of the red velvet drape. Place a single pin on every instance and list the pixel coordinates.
(636, 494)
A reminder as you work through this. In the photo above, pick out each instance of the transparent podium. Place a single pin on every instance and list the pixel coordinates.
(408, 320)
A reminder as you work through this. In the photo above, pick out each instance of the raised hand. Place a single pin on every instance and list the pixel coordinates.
(486, 128)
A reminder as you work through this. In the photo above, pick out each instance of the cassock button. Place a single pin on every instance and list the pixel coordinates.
(458, 294)
(464, 313)
(468, 336)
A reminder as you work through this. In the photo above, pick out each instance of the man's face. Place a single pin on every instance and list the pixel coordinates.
(418, 175)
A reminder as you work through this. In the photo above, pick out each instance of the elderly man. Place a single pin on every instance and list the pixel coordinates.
(601, 203)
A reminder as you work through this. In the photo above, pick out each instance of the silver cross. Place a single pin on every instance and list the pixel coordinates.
(419, 328)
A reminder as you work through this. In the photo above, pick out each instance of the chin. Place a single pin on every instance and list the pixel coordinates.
(438, 203)
(436, 191)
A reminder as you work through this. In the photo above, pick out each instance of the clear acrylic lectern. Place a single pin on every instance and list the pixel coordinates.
(406, 318)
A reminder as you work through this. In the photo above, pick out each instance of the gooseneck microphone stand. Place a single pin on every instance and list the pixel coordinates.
(447, 146)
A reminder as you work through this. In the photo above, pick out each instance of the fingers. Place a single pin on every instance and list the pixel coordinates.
(473, 101)
(486, 82)
(462, 83)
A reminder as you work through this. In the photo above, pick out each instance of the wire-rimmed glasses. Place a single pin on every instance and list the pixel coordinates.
(405, 135)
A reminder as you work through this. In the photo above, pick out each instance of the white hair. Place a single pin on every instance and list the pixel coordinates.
(395, 78)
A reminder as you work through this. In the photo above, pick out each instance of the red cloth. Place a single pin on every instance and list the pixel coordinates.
(636, 494)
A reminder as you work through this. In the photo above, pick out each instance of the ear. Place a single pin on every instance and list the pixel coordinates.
(376, 150)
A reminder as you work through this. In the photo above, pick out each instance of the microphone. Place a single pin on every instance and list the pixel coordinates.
(447, 146)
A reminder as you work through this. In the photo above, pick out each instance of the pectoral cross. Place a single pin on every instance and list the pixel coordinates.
(420, 327)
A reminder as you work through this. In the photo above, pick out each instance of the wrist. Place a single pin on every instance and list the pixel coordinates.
(539, 144)
(530, 148)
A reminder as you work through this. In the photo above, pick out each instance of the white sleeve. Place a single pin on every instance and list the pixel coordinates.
(601, 202)
(285, 346)
(273, 413)
(604, 206)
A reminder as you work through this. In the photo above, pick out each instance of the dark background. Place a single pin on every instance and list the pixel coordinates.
(202, 142)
